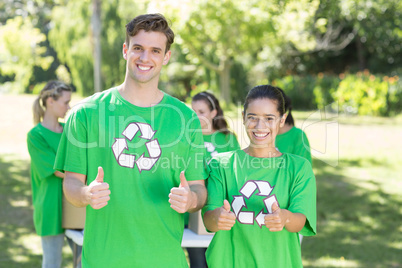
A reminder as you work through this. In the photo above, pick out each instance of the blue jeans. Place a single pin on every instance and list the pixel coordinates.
(52, 246)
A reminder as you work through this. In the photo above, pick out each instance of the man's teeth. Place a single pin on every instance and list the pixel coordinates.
(144, 68)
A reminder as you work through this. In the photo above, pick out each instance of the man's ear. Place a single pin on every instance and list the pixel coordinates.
(124, 51)
(167, 57)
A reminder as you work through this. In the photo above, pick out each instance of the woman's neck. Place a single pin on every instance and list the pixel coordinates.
(285, 128)
(266, 152)
(51, 122)
(208, 131)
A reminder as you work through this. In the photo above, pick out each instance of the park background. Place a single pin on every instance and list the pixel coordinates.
(339, 60)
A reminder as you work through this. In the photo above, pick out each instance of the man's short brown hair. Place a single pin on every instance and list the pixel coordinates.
(150, 23)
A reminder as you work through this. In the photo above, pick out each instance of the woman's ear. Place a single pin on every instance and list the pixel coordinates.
(49, 102)
(214, 112)
(283, 120)
(242, 117)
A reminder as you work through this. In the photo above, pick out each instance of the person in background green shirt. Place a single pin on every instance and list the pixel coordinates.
(43, 140)
(259, 199)
(291, 139)
(217, 139)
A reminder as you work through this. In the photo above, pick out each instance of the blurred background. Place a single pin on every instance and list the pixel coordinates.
(340, 61)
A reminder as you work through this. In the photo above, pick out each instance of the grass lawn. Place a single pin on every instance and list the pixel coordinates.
(357, 162)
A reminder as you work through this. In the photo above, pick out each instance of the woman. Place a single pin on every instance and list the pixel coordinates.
(291, 139)
(43, 140)
(217, 137)
(259, 198)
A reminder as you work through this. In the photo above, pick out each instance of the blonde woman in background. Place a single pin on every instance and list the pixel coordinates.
(43, 141)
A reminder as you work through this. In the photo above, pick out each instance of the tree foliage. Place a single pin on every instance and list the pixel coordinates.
(21, 50)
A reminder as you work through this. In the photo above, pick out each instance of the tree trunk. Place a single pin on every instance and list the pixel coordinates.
(97, 52)
(224, 81)
(360, 54)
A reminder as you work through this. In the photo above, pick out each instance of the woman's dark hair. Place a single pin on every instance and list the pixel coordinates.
(266, 92)
(218, 122)
(288, 108)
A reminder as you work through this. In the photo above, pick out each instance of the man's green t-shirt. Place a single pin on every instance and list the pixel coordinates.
(252, 185)
(142, 151)
(47, 190)
(219, 142)
(295, 142)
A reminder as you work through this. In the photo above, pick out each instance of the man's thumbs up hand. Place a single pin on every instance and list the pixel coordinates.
(182, 198)
(98, 193)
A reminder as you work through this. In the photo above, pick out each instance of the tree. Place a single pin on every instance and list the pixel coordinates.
(216, 33)
(71, 36)
(21, 50)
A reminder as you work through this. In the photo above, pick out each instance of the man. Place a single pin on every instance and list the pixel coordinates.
(123, 151)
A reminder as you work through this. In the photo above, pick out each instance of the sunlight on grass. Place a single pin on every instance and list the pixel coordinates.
(19, 203)
(32, 243)
(327, 261)
(396, 245)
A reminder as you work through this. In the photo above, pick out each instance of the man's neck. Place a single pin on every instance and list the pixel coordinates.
(141, 95)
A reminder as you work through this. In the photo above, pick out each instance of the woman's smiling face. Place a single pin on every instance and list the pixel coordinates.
(262, 121)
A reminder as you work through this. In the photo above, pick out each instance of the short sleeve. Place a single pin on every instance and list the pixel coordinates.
(42, 155)
(216, 191)
(72, 152)
(303, 198)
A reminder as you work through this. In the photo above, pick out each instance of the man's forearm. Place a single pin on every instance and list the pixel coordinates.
(199, 193)
(75, 191)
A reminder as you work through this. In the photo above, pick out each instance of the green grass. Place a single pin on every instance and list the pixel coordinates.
(19, 246)
(359, 206)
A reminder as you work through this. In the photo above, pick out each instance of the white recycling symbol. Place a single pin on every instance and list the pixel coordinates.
(210, 148)
(128, 160)
(248, 217)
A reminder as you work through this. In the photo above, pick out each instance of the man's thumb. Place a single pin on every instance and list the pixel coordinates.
(275, 207)
(99, 177)
(226, 205)
(183, 181)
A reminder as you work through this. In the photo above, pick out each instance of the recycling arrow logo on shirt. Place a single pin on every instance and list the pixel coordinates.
(210, 148)
(238, 203)
(128, 160)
